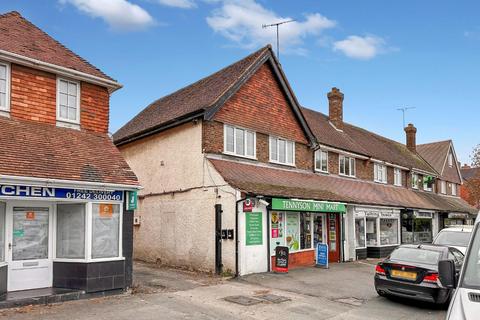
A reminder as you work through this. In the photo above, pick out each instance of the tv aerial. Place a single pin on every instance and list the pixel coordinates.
(276, 25)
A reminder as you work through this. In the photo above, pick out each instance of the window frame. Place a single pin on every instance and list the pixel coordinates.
(443, 187)
(450, 159)
(425, 186)
(454, 189)
(234, 153)
(3, 233)
(351, 160)
(277, 140)
(319, 153)
(8, 76)
(376, 171)
(397, 177)
(78, 113)
(414, 186)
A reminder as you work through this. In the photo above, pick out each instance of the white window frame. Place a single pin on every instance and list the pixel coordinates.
(443, 187)
(380, 173)
(425, 186)
(59, 118)
(6, 108)
(414, 177)
(234, 153)
(397, 177)
(277, 140)
(318, 153)
(454, 189)
(352, 161)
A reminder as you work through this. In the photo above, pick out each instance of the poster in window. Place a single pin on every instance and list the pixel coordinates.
(106, 210)
(293, 230)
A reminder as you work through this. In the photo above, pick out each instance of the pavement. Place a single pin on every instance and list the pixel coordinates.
(345, 291)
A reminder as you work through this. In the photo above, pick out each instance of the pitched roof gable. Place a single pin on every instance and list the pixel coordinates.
(21, 37)
(436, 154)
(204, 98)
(364, 142)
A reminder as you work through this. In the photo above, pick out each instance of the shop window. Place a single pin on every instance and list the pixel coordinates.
(277, 226)
(240, 142)
(71, 231)
(282, 151)
(321, 161)
(346, 166)
(371, 231)
(397, 177)
(414, 181)
(422, 231)
(305, 230)
(105, 230)
(388, 232)
(360, 233)
(4, 87)
(68, 101)
(2, 231)
(380, 173)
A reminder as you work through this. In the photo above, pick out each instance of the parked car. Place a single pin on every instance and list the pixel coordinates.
(465, 304)
(411, 271)
(457, 236)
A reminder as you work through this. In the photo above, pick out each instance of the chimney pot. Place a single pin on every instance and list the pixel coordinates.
(411, 135)
(335, 108)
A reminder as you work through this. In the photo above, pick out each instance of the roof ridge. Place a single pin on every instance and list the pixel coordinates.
(10, 13)
(435, 142)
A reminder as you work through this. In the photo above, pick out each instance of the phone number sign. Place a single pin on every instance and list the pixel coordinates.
(59, 193)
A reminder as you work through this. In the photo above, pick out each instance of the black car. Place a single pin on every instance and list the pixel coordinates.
(411, 271)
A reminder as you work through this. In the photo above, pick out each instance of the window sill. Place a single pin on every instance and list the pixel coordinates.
(5, 113)
(283, 164)
(67, 124)
(321, 171)
(240, 156)
(378, 181)
(3, 264)
(398, 185)
(347, 176)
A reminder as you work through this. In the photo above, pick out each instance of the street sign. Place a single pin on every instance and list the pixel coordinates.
(322, 255)
(132, 200)
(281, 259)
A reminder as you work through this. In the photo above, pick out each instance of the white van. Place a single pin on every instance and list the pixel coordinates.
(465, 303)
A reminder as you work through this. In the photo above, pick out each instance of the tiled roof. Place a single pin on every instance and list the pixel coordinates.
(435, 154)
(361, 141)
(193, 99)
(469, 173)
(20, 36)
(267, 181)
(31, 149)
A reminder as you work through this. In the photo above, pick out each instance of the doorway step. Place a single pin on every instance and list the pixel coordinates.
(39, 296)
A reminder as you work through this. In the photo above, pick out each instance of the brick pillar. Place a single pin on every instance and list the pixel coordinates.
(411, 135)
(335, 108)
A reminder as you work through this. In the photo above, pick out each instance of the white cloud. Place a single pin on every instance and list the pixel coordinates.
(184, 4)
(119, 14)
(363, 48)
(241, 22)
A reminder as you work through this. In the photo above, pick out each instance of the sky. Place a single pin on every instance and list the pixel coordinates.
(383, 55)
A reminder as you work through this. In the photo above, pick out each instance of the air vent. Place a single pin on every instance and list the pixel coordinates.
(474, 297)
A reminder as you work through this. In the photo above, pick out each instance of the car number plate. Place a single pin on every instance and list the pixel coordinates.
(404, 274)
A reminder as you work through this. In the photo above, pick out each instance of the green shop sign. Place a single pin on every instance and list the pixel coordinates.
(310, 206)
(132, 199)
(254, 229)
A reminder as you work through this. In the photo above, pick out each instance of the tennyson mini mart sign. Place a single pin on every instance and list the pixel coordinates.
(307, 205)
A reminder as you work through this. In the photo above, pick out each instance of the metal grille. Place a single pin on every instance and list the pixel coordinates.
(474, 297)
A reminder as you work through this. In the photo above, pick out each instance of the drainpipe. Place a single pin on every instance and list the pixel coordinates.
(237, 273)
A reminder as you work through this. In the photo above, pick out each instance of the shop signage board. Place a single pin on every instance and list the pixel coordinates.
(132, 200)
(281, 259)
(248, 205)
(322, 255)
(253, 228)
(308, 206)
(25, 191)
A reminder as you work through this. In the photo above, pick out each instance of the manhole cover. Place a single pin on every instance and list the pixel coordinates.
(351, 301)
(242, 300)
(273, 298)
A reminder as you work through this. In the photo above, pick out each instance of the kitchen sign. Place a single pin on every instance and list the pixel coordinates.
(22, 191)
(309, 206)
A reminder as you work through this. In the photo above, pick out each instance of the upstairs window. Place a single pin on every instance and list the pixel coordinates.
(414, 181)
(450, 159)
(282, 151)
(321, 161)
(380, 173)
(397, 177)
(4, 87)
(346, 166)
(428, 182)
(68, 101)
(454, 189)
(239, 142)
(443, 187)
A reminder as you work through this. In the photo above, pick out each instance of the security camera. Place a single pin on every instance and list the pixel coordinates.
(265, 203)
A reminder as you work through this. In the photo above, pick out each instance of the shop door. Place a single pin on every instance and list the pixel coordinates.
(29, 238)
(333, 237)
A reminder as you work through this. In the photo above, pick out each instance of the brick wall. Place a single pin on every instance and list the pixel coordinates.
(364, 169)
(34, 98)
(332, 162)
(298, 259)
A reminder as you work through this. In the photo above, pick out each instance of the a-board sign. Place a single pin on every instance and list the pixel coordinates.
(321, 253)
(281, 259)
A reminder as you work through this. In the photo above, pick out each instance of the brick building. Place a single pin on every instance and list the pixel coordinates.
(64, 224)
(233, 166)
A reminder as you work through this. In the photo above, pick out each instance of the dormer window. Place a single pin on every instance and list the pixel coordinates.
(414, 181)
(68, 101)
(454, 189)
(239, 142)
(282, 151)
(346, 166)
(4, 87)
(380, 173)
(321, 161)
(397, 177)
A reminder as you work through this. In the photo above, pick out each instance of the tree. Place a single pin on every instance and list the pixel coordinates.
(471, 190)
(475, 156)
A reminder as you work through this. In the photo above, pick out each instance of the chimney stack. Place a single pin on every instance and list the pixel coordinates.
(411, 132)
(335, 108)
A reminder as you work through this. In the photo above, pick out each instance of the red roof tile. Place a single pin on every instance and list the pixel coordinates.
(31, 149)
(20, 36)
(269, 181)
(435, 154)
(470, 173)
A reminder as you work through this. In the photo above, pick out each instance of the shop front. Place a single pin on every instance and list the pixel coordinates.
(377, 231)
(300, 225)
(451, 219)
(63, 237)
(418, 226)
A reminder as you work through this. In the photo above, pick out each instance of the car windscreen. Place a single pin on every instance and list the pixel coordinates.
(453, 238)
(471, 276)
(416, 255)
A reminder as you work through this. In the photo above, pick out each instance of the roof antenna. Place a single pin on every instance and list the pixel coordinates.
(404, 110)
(264, 26)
